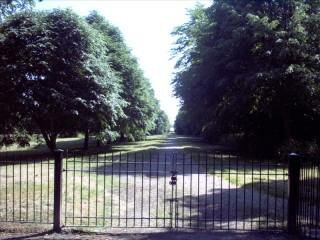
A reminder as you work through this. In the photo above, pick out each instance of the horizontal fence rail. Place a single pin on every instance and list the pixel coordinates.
(309, 198)
(174, 190)
(26, 190)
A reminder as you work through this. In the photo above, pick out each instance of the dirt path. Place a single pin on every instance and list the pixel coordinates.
(144, 197)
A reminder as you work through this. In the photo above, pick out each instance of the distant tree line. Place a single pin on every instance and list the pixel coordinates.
(62, 74)
(249, 71)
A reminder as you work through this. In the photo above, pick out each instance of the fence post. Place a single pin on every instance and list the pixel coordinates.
(293, 191)
(58, 158)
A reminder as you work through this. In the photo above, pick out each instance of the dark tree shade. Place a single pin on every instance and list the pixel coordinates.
(250, 69)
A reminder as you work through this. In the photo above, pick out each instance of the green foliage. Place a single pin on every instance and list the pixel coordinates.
(251, 69)
(9, 7)
(141, 109)
(55, 73)
(62, 74)
(162, 123)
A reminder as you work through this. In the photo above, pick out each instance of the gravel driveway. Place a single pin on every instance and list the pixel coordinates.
(144, 197)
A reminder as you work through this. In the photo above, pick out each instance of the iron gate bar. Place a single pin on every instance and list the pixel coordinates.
(66, 188)
(221, 182)
(268, 191)
(150, 156)
(229, 177)
(191, 161)
(214, 182)
(237, 169)
(20, 191)
(252, 198)
(134, 192)
(157, 206)
(198, 200)
(206, 190)
(104, 188)
(244, 194)
(13, 198)
(74, 187)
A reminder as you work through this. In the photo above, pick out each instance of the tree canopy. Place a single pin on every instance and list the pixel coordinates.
(250, 69)
(9, 7)
(60, 75)
(142, 109)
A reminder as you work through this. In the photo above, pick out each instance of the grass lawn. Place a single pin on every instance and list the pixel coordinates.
(266, 176)
(76, 144)
(26, 183)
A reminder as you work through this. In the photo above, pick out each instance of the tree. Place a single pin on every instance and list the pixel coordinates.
(141, 106)
(253, 67)
(162, 123)
(54, 76)
(9, 7)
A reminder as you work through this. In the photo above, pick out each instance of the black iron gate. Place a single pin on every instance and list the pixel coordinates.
(162, 189)
(174, 190)
(308, 200)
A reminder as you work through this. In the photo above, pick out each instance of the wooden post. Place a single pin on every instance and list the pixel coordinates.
(293, 192)
(58, 159)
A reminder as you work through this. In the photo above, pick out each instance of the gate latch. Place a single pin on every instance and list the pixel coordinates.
(173, 178)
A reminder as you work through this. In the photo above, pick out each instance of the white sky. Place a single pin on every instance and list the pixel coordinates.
(146, 26)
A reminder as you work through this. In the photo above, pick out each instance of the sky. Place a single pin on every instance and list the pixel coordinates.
(146, 26)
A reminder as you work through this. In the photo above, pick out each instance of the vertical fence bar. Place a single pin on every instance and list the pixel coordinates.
(134, 189)
(66, 191)
(104, 189)
(293, 192)
(157, 207)
(127, 187)
(317, 200)
(58, 157)
(119, 191)
(89, 187)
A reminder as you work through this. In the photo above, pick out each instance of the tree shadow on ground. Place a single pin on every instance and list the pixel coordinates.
(158, 161)
(235, 208)
(30, 236)
(74, 146)
(159, 235)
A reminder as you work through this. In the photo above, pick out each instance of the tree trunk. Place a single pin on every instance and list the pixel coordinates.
(86, 139)
(122, 137)
(51, 140)
(53, 143)
(286, 124)
(98, 142)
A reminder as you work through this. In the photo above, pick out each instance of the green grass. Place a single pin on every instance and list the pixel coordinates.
(26, 190)
(76, 144)
(32, 189)
(271, 179)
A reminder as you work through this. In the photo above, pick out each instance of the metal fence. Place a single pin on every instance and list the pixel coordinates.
(308, 217)
(161, 189)
(26, 189)
(174, 190)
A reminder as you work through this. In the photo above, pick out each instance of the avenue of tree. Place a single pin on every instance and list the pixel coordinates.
(63, 74)
(249, 72)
